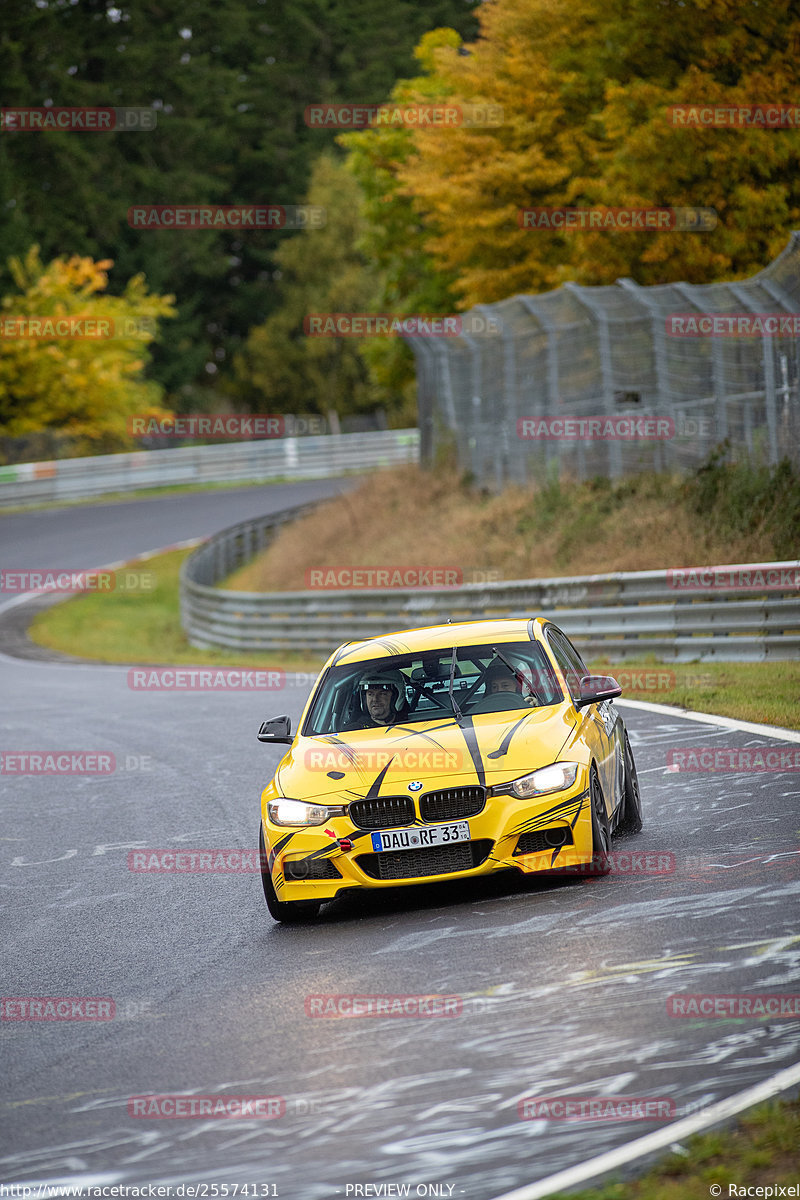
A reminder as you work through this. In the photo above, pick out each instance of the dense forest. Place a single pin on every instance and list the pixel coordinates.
(419, 218)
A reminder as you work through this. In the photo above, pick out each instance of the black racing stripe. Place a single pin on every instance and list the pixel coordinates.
(392, 647)
(559, 811)
(420, 733)
(448, 724)
(503, 747)
(582, 797)
(467, 728)
(347, 750)
(375, 786)
(283, 842)
(341, 652)
(531, 634)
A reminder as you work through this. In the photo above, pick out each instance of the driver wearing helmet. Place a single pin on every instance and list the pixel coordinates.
(500, 679)
(383, 697)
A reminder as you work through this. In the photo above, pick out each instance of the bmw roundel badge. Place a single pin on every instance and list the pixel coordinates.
(414, 786)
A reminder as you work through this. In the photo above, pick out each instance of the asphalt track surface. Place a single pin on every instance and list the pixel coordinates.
(564, 982)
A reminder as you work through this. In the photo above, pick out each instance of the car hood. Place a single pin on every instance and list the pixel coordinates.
(485, 748)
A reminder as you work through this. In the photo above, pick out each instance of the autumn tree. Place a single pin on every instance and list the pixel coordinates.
(72, 356)
(586, 88)
(283, 369)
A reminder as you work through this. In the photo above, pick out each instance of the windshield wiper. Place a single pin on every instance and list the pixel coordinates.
(453, 701)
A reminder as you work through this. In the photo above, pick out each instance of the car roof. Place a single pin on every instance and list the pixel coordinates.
(441, 637)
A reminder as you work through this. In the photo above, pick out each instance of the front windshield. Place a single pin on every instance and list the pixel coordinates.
(408, 689)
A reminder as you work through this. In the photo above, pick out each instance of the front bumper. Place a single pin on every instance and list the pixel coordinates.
(548, 833)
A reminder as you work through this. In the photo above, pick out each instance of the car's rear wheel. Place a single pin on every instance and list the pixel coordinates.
(288, 911)
(601, 834)
(631, 819)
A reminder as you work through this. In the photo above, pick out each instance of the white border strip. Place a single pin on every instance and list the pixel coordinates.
(672, 710)
(603, 1163)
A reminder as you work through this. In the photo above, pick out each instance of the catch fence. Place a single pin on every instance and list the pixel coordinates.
(623, 353)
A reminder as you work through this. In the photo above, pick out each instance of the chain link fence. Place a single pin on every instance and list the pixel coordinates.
(657, 381)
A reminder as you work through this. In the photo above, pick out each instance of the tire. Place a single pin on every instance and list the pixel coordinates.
(631, 819)
(290, 912)
(601, 834)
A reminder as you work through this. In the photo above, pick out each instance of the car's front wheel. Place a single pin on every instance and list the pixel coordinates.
(601, 835)
(631, 819)
(288, 911)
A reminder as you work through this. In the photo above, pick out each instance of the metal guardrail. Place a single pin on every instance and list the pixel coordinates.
(263, 460)
(619, 615)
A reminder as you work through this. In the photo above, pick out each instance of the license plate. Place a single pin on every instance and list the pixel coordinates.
(421, 835)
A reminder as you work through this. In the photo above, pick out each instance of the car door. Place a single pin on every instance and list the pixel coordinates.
(598, 720)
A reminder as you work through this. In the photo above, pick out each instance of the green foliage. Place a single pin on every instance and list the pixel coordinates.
(739, 498)
(229, 81)
(281, 369)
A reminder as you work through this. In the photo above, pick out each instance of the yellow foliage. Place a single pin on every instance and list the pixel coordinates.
(72, 357)
(586, 88)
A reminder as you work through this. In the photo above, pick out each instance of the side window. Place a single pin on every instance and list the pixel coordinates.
(569, 660)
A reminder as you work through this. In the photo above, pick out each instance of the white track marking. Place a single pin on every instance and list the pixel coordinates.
(660, 1140)
(774, 731)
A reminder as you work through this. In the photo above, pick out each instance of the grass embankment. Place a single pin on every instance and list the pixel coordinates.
(723, 514)
(141, 624)
(407, 517)
(761, 1151)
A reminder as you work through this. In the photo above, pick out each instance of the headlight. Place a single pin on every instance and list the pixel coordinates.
(295, 812)
(554, 778)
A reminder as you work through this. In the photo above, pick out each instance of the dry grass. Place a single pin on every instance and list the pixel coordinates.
(407, 517)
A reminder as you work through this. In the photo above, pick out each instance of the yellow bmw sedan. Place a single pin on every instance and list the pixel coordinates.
(443, 753)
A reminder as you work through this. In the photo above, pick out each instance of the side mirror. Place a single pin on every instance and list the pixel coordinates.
(278, 729)
(596, 688)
